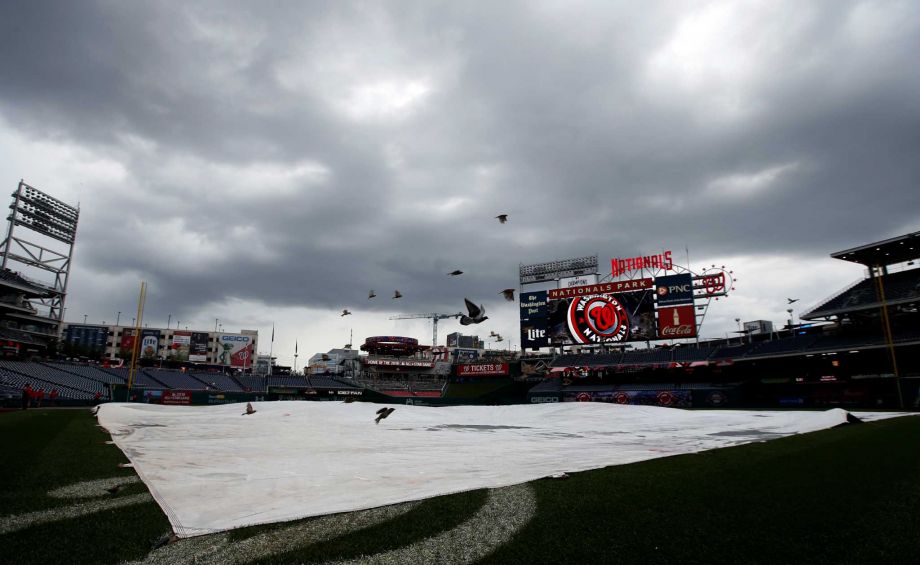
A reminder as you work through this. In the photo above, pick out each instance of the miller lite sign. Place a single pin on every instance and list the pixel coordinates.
(674, 289)
(534, 334)
(675, 322)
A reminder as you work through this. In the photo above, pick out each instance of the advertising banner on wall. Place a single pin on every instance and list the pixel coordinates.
(234, 350)
(198, 347)
(93, 337)
(534, 320)
(482, 370)
(600, 288)
(462, 355)
(399, 363)
(674, 289)
(127, 339)
(177, 397)
(583, 280)
(534, 305)
(535, 333)
(671, 398)
(179, 348)
(150, 344)
(607, 318)
(675, 322)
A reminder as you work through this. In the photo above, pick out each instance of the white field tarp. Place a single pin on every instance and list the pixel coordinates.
(211, 469)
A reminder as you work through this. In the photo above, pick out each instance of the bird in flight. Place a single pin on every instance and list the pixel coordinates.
(383, 413)
(371, 294)
(345, 312)
(397, 294)
(508, 294)
(455, 273)
(502, 218)
(476, 314)
(791, 300)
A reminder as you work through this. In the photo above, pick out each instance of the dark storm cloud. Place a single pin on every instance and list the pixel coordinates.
(302, 154)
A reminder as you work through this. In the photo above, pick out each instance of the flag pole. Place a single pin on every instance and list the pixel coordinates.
(271, 349)
(142, 297)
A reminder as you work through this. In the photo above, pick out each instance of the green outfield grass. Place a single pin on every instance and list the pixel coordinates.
(846, 495)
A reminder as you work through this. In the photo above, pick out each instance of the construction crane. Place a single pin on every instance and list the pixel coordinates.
(434, 322)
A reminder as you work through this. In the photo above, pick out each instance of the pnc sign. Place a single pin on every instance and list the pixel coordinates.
(674, 289)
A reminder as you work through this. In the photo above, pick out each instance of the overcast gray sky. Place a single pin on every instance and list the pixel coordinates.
(259, 162)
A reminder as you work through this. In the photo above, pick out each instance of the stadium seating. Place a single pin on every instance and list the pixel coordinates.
(218, 381)
(55, 377)
(175, 379)
(253, 383)
(692, 353)
(782, 346)
(899, 287)
(89, 372)
(646, 356)
(288, 381)
(731, 351)
(15, 380)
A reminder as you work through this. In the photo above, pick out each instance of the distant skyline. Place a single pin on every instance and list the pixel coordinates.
(273, 163)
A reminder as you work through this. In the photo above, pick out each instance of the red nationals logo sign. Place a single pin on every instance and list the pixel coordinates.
(597, 319)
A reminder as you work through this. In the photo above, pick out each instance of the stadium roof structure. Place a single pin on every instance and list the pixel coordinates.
(881, 253)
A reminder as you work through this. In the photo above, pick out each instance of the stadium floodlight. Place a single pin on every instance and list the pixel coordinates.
(557, 269)
(53, 223)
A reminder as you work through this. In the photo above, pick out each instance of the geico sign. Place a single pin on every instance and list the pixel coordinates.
(543, 399)
(234, 338)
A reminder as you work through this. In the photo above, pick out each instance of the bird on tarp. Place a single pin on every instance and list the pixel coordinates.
(791, 300)
(345, 312)
(397, 294)
(477, 314)
(455, 273)
(502, 218)
(249, 410)
(383, 413)
(371, 294)
(508, 293)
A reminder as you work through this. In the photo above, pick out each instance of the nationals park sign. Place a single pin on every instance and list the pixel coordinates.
(600, 288)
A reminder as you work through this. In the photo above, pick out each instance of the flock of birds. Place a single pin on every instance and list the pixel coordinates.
(475, 313)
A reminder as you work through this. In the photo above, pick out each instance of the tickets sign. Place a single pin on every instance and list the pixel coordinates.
(482, 369)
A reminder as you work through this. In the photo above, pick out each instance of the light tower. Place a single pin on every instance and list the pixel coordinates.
(38, 221)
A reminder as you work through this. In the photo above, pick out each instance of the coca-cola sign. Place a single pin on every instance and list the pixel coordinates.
(676, 322)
